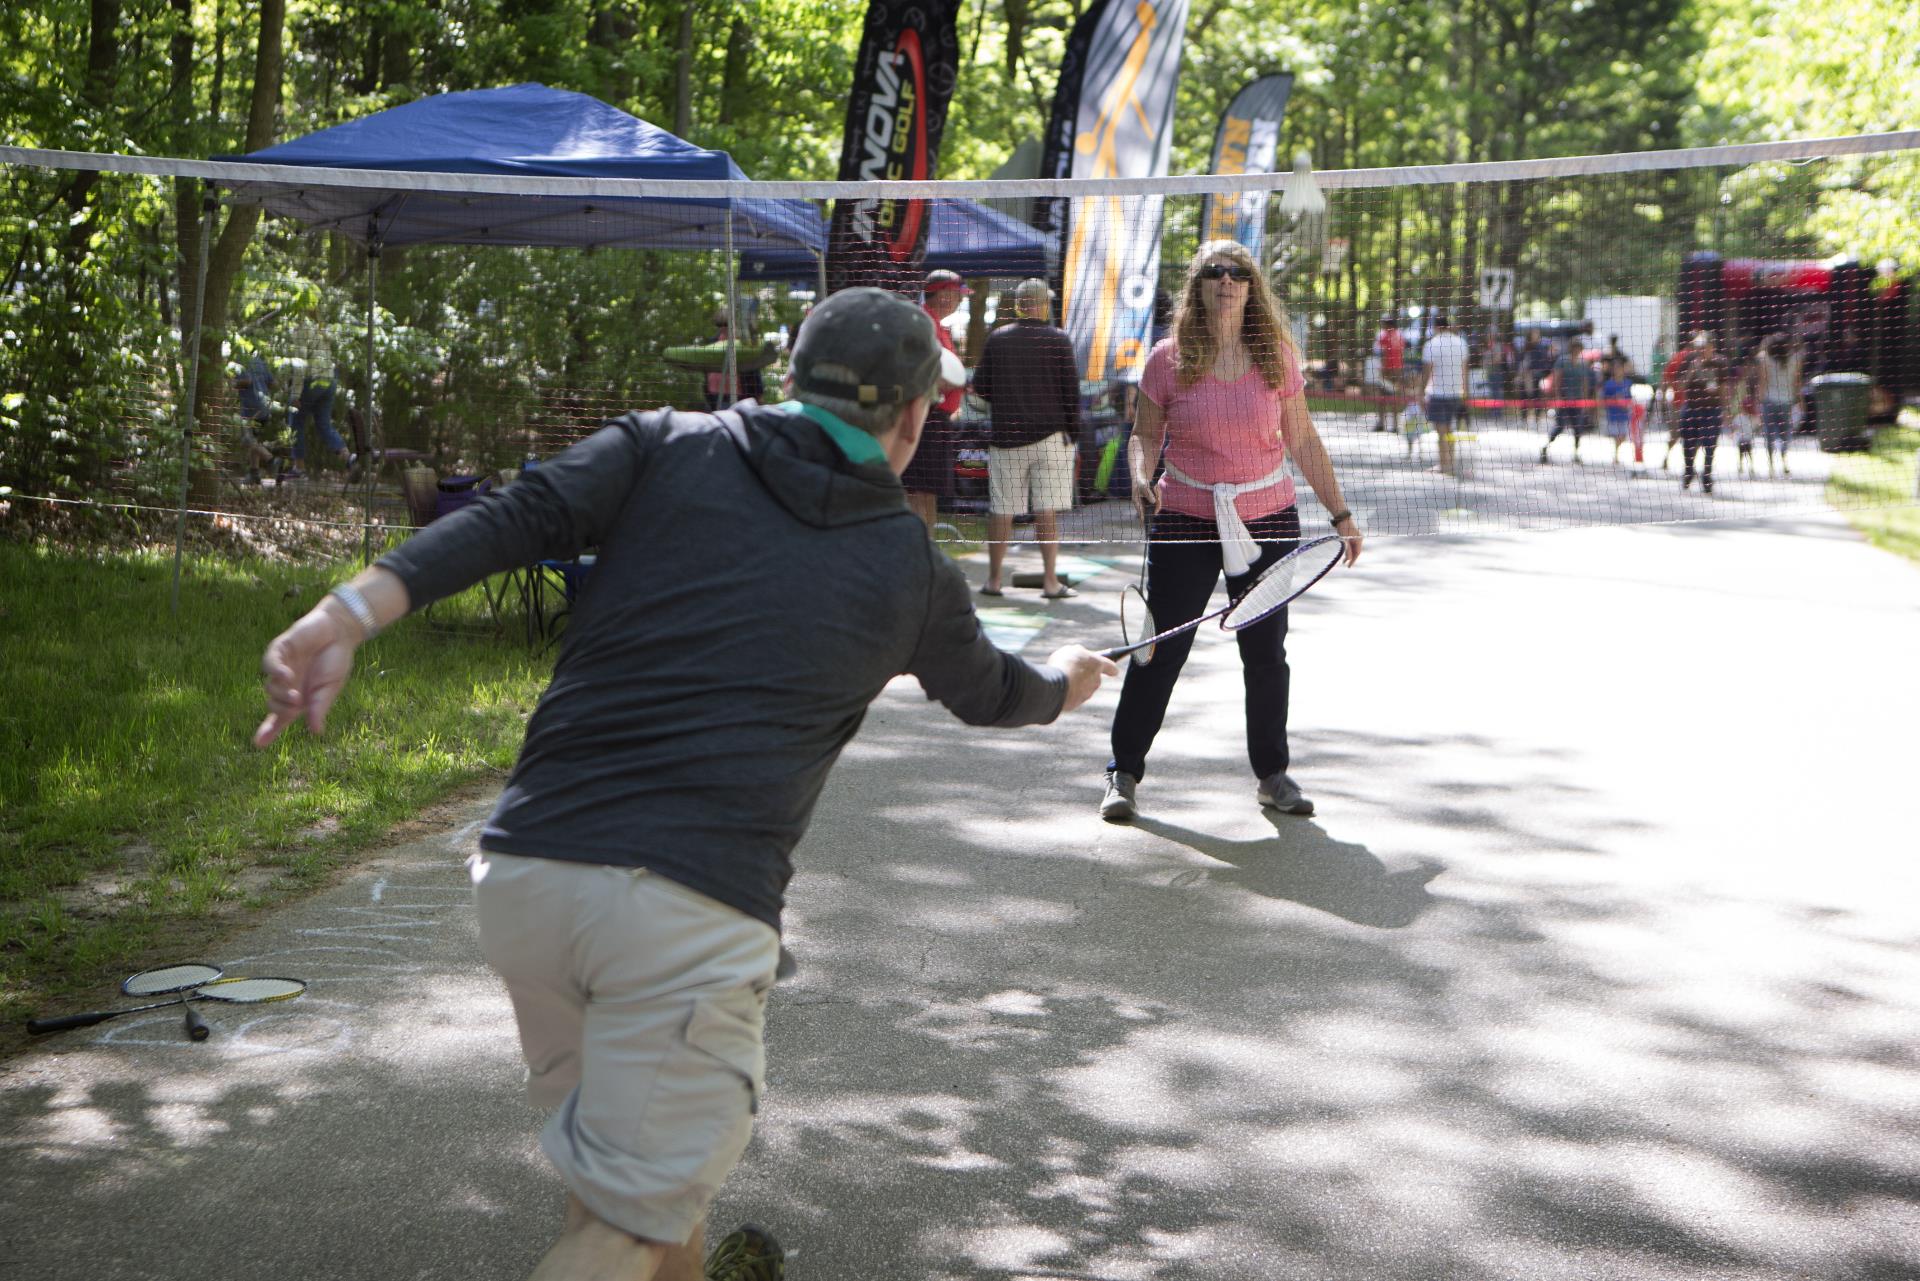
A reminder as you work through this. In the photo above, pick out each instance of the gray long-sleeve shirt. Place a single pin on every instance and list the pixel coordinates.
(754, 591)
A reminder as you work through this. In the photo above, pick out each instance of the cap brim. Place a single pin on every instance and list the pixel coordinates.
(952, 372)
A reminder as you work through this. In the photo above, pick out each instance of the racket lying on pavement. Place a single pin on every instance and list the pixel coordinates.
(1278, 584)
(185, 983)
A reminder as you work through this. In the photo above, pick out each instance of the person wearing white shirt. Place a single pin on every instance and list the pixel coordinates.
(1444, 386)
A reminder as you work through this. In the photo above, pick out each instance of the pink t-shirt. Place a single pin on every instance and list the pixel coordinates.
(1221, 432)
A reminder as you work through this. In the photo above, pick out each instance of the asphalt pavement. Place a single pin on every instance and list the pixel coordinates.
(1600, 960)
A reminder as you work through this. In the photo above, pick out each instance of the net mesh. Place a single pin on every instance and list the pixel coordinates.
(1478, 349)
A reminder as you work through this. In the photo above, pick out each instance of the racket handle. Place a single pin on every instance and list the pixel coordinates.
(197, 1029)
(66, 1023)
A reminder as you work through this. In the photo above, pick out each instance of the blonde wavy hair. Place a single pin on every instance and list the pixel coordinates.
(1263, 328)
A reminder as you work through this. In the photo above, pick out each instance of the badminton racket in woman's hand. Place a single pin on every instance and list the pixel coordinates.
(1136, 616)
(1277, 585)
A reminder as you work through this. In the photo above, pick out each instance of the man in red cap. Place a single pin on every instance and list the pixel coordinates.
(931, 474)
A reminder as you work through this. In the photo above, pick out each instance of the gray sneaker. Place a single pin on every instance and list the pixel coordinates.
(1277, 791)
(1117, 805)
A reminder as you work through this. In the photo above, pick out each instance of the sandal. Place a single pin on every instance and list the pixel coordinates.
(991, 591)
(1064, 592)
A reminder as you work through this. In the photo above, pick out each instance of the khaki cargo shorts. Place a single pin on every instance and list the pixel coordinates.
(640, 1005)
(1031, 478)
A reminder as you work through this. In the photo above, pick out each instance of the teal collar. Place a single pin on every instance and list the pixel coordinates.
(857, 445)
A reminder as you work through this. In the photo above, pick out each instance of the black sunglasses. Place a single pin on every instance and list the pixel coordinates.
(1215, 270)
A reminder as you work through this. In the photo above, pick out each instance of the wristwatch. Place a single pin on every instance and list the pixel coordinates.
(1340, 516)
(349, 595)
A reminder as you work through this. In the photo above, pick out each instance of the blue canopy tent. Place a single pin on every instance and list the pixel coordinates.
(523, 131)
(962, 235)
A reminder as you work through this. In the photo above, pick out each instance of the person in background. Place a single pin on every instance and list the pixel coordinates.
(1616, 393)
(1031, 378)
(315, 409)
(1674, 393)
(930, 477)
(1533, 364)
(1500, 373)
(1391, 346)
(752, 383)
(253, 387)
(1775, 379)
(1443, 385)
(1709, 384)
(1573, 394)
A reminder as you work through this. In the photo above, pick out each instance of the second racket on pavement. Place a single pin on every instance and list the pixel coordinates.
(1278, 584)
(181, 984)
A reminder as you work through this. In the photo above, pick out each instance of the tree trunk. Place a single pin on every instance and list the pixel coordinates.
(683, 75)
(223, 260)
(735, 86)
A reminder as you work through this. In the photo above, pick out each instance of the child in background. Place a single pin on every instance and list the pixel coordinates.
(1745, 421)
(1616, 392)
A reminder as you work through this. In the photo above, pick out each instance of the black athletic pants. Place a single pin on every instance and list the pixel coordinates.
(1183, 564)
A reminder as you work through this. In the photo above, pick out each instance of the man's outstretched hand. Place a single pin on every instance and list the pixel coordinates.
(1085, 670)
(305, 668)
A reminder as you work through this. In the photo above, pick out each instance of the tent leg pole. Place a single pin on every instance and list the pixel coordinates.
(371, 472)
(730, 383)
(207, 207)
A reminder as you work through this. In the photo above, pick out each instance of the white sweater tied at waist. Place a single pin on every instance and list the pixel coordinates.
(1238, 550)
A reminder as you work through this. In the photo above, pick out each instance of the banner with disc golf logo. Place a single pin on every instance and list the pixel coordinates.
(902, 81)
(1113, 118)
(1248, 141)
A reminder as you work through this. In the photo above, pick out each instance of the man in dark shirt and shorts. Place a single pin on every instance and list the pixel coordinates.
(759, 581)
(1030, 377)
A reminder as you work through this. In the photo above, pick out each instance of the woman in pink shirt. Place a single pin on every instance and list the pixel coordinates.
(1224, 397)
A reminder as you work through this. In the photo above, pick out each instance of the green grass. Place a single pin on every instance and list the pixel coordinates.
(136, 820)
(1876, 489)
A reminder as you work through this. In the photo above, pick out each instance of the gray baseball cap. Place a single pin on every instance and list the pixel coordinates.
(886, 340)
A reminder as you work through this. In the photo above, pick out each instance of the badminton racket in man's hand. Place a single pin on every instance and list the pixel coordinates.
(238, 991)
(1278, 584)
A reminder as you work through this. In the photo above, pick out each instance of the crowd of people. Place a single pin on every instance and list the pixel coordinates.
(1706, 391)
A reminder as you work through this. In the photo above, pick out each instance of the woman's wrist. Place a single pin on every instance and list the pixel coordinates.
(1341, 517)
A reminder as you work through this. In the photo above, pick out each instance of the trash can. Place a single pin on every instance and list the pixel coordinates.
(1840, 410)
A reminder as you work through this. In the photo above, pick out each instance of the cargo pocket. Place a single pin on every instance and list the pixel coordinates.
(727, 1028)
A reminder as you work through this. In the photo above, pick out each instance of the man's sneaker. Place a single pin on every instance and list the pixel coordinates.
(1277, 791)
(747, 1253)
(1117, 805)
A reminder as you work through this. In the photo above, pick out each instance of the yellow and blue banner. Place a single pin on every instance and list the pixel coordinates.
(1113, 118)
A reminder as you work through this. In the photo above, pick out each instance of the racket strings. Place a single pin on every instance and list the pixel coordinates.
(169, 978)
(1284, 580)
(251, 991)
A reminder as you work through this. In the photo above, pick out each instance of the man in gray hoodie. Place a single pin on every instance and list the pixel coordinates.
(759, 581)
